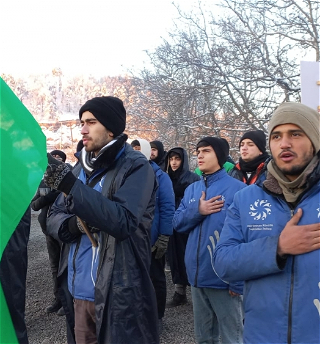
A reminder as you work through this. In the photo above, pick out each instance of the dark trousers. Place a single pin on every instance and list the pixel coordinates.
(176, 250)
(13, 275)
(85, 322)
(54, 248)
(158, 278)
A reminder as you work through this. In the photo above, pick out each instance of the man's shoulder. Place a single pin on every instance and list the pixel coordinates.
(234, 182)
(235, 172)
(251, 191)
(132, 155)
(192, 176)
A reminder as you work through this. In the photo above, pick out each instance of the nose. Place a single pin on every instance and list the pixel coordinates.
(84, 129)
(244, 147)
(285, 142)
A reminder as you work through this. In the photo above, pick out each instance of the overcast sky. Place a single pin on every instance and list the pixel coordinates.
(98, 37)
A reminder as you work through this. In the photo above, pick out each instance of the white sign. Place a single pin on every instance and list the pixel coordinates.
(310, 84)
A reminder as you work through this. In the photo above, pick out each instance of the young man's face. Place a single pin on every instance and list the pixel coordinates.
(248, 150)
(137, 148)
(175, 162)
(94, 134)
(207, 160)
(57, 157)
(154, 153)
(291, 149)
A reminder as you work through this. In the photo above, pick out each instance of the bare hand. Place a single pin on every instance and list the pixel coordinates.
(210, 206)
(232, 293)
(296, 239)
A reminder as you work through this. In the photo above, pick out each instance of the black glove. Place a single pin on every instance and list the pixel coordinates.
(161, 246)
(58, 175)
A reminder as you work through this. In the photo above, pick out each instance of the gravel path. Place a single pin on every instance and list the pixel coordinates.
(46, 328)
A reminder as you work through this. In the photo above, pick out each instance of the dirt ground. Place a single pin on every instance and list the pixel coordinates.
(46, 328)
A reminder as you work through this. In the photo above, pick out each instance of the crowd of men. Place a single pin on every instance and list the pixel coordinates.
(244, 236)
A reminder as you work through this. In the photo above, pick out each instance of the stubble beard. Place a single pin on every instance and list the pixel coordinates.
(296, 170)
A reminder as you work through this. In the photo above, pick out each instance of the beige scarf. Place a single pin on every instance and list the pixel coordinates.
(278, 183)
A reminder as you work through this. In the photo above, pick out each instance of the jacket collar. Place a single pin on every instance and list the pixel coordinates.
(213, 177)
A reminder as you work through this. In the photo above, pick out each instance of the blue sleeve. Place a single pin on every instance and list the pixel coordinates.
(187, 216)
(166, 204)
(235, 259)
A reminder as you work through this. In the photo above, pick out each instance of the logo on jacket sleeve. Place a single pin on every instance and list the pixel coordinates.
(217, 236)
(260, 209)
(316, 302)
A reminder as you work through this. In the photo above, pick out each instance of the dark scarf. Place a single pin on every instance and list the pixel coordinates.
(252, 165)
(178, 188)
(105, 157)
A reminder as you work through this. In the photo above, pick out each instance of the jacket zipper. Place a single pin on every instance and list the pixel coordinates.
(199, 241)
(291, 296)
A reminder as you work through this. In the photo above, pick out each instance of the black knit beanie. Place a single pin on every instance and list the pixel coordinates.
(109, 111)
(220, 147)
(258, 137)
(61, 154)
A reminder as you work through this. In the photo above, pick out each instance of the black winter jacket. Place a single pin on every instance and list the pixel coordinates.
(124, 296)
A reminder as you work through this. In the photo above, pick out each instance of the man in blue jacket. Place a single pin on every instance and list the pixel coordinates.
(217, 306)
(106, 217)
(161, 230)
(271, 237)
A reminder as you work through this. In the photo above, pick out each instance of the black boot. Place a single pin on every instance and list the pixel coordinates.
(56, 305)
(61, 312)
(177, 300)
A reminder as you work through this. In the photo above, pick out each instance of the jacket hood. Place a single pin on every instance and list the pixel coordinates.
(184, 156)
(145, 148)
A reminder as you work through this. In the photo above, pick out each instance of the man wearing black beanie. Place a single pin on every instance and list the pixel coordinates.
(217, 305)
(105, 215)
(253, 155)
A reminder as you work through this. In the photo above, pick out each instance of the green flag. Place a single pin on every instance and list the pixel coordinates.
(23, 161)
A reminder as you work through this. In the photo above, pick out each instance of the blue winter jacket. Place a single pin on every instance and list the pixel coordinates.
(165, 206)
(282, 305)
(204, 231)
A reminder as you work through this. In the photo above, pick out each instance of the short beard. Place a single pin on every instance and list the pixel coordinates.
(294, 170)
(298, 169)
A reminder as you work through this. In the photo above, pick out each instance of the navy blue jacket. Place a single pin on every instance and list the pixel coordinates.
(125, 302)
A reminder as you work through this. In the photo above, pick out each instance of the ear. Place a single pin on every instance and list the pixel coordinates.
(110, 134)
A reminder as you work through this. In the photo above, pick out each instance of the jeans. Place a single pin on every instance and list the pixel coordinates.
(218, 317)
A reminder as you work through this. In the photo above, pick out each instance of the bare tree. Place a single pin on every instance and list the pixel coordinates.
(225, 72)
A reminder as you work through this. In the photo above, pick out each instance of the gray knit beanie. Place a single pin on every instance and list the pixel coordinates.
(302, 116)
